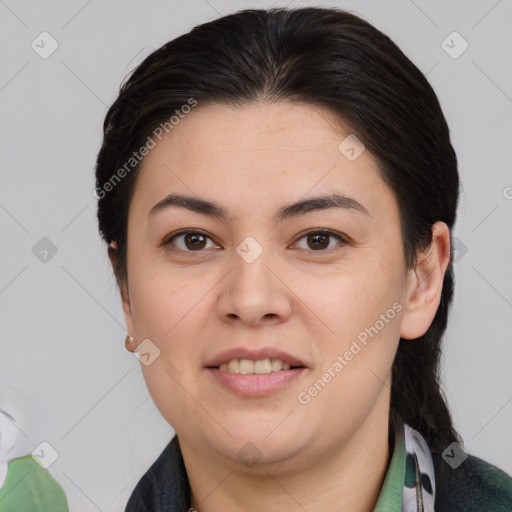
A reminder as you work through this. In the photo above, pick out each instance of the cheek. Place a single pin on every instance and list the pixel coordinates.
(362, 311)
(162, 301)
(354, 300)
(170, 307)
(168, 313)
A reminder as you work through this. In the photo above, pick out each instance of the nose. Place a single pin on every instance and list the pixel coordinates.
(254, 293)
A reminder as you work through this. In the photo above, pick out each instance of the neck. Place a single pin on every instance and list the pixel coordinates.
(346, 475)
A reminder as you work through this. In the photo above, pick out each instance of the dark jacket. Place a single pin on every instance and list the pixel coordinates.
(474, 486)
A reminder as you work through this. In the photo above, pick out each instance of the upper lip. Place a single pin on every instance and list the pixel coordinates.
(254, 355)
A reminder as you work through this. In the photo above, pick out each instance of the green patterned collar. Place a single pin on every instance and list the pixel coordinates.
(409, 485)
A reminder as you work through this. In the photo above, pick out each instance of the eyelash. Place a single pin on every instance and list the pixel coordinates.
(324, 231)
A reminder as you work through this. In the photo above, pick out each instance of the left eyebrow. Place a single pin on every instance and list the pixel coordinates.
(302, 207)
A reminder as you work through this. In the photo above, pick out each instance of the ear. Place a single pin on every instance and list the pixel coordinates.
(425, 284)
(123, 288)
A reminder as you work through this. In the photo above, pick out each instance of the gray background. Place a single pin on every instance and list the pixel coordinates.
(62, 329)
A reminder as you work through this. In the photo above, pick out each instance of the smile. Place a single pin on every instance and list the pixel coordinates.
(259, 367)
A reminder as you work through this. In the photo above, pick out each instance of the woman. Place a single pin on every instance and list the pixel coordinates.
(277, 189)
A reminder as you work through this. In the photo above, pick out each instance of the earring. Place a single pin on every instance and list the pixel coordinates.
(128, 340)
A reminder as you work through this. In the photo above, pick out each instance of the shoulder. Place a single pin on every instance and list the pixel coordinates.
(473, 486)
(164, 486)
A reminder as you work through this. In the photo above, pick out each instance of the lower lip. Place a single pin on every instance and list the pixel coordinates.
(253, 385)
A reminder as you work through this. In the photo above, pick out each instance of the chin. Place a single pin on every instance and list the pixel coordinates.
(255, 444)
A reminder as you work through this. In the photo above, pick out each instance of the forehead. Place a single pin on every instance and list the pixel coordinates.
(258, 152)
(271, 127)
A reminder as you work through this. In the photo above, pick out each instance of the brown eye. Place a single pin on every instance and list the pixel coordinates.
(189, 241)
(319, 240)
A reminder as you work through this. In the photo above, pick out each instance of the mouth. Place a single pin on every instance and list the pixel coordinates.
(255, 373)
(255, 367)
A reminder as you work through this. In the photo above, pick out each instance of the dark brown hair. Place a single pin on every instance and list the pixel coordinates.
(324, 57)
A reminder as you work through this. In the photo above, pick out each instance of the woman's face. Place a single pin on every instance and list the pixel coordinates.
(254, 285)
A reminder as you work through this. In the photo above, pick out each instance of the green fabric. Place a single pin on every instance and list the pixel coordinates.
(31, 488)
(390, 497)
(494, 479)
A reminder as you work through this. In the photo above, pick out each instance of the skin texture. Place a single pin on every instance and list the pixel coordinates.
(331, 453)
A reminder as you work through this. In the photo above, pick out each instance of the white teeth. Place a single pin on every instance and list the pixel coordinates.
(277, 365)
(263, 366)
(233, 366)
(247, 366)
